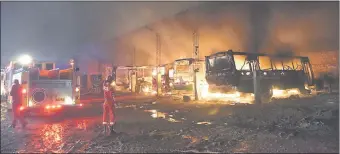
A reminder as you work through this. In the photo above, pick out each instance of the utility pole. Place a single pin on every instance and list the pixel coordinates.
(158, 61)
(158, 58)
(196, 58)
(134, 56)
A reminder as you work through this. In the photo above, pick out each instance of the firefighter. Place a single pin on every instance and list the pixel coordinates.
(16, 93)
(108, 106)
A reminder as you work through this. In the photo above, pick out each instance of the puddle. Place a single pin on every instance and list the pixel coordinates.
(173, 120)
(166, 116)
(192, 138)
(82, 124)
(126, 106)
(213, 111)
(52, 136)
(204, 123)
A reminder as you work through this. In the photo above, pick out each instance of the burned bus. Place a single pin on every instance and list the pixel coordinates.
(133, 78)
(184, 75)
(230, 71)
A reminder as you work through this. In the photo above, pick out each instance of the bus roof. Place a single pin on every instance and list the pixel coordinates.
(187, 59)
(230, 52)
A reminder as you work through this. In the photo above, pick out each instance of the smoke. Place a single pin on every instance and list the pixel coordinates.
(259, 24)
(57, 30)
(295, 28)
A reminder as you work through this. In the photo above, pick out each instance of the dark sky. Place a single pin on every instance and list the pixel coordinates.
(56, 30)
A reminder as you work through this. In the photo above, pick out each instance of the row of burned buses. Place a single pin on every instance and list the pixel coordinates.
(224, 72)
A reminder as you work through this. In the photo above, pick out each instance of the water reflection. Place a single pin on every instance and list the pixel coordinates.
(191, 138)
(82, 124)
(204, 123)
(243, 147)
(166, 116)
(52, 135)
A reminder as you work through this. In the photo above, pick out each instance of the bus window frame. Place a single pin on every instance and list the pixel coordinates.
(270, 60)
(244, 63)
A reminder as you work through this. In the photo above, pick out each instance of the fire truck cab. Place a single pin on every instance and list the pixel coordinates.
(45, 88)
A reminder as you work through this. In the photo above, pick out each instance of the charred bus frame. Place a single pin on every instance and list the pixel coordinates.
(223, 71)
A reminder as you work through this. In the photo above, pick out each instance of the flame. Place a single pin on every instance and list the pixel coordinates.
(279, 93)
(233, 96)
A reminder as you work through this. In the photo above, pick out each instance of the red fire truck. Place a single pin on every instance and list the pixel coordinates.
(45, 89)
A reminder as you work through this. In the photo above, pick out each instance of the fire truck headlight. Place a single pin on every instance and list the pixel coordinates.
(24, 91)
(25, 59)
(30, 103)
(68, 100)
(77, 89)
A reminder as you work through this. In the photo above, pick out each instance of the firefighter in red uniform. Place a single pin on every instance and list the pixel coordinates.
(16, 93)
(109, 104)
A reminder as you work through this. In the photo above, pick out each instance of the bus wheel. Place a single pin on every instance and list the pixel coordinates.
(304, 91)
(266, 96)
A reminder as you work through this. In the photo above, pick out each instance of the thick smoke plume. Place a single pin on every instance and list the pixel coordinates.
(259, 20)
(298, 27)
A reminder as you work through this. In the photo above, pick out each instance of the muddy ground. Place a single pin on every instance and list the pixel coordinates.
(166, 125)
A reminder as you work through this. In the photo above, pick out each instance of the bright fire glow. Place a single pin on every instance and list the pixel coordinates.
(278, 93)
(77, 89)
(154, 92)
(233, 96)
(113, 83)
(146, 89)
(154, 72)
(24, 91)
(21, 108)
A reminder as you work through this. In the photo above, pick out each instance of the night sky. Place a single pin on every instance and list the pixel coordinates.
(57, 30)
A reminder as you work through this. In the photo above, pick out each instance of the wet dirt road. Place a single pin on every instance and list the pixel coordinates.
(166, 125)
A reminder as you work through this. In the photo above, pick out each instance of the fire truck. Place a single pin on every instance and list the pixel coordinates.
(45, 88)
(3, 92)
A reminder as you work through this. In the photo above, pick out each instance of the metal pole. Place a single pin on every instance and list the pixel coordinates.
(196, 58)
(157, 63)
(134, 56)
(257, 94)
